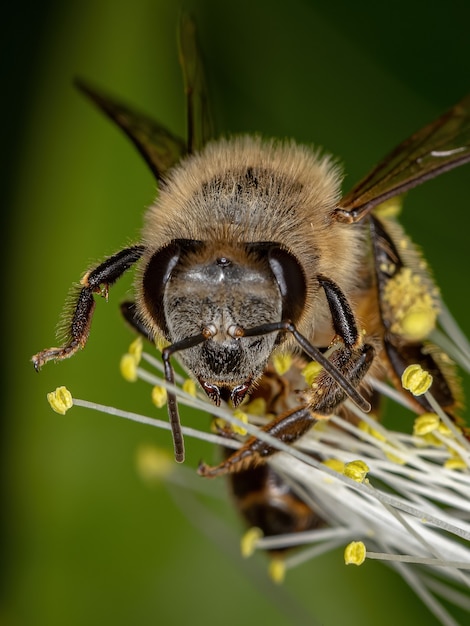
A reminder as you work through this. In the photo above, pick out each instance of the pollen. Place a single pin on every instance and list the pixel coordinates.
(412, 306)
(277, 570)
(455, 462)
(153, 464)
(365, 427)
(282, 363)
(136, 348)
(416, 380)
(390, 208)
(249, 540)
(60, 400)
(256, 407)
(128, 367)
(356, 470)
(160, 342)
(310, 372)
(189, 386)
(335, 464)
(425, 424)
(243, 417)
(355, 553)
(159, 396)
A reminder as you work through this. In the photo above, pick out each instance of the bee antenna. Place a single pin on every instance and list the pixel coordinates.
(173, 413)
(314, 353)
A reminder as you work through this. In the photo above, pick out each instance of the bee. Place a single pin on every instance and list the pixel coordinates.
(250, 249)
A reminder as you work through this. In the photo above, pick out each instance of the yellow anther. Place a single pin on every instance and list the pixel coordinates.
(445, 430)
(432, 440)
(256, 407)
(282, 363)
(136, 348)
(335, 464)
(154, 464)
(249, 540)
(425, 424)
(365, 427)
(356, 470)
(399, 460)
(355, 553)
(128, 367)
(311, 371)
(218, 424)
(243, 417)
(60, 400)
(277, 570)
(159, 396)
(455, 462)
(189, 386)
(161, 342)
(416, 380)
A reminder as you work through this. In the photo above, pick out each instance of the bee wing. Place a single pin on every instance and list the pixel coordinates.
(159, 147)
(200, 126)
(438, 147)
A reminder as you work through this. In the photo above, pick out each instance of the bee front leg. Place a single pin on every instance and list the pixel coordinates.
(97, 280)
(352, 357)
(287, 428)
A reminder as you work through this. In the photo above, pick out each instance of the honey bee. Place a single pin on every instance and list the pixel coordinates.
(250, 249)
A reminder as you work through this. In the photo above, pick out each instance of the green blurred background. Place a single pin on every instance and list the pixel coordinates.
(84, 540)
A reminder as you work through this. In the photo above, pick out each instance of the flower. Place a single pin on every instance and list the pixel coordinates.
(402, 498)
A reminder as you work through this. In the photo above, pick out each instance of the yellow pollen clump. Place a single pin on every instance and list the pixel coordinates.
(413, 310)
(335, 464)
(136, 348)
(310, 372)
(455, 462)
(160, 342)
(277, 570)
(425, 424)
(256, 407)
(60, 400)
(364, 426)
(356, 470)
(389, 208)
(249, 540)
(355, 553)
(243, 417)
(154, 464)
(282, 363)
(159, 396)
(128, 367)
(189, 386)
(416, 380)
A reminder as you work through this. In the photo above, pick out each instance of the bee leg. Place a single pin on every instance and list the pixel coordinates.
(97, 280)
(352, 358)
(287, 428)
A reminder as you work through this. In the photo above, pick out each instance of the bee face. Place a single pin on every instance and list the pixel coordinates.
(218, 295)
